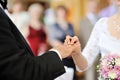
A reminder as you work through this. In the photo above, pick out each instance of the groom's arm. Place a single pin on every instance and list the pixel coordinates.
(15, 64)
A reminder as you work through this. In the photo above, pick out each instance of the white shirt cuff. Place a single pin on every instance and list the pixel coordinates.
(57, 53)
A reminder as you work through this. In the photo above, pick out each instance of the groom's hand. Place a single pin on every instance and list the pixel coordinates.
(70, 47)
(65, 50)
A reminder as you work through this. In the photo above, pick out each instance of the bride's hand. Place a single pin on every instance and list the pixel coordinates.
(78, 58)
(74, 42)
(77, 45)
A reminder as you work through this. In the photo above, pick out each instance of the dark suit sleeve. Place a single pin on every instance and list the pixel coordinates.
(15, 64)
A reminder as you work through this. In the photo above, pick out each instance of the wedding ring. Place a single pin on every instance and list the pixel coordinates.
(70, 44)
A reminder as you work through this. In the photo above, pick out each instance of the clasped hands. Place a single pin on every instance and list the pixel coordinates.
(70, 47)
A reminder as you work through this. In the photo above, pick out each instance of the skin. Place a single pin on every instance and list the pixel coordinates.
(35, 12)
(17, 8)
(92, 6)
(78, 58)
(116, 18)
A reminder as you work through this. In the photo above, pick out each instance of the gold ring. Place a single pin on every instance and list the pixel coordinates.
(70, 44)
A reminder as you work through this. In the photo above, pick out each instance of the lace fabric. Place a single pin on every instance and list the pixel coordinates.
(101, 42)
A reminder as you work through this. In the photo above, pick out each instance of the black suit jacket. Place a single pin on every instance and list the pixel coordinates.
(16, 58)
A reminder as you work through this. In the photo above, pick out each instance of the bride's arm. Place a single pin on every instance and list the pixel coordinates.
(80, 61)
(85, 59)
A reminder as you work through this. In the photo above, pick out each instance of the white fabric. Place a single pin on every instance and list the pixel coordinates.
(1, 6)
(6, 11)
(100, 42)
(68, 75)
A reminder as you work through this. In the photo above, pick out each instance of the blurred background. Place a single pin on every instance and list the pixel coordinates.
(45, 24)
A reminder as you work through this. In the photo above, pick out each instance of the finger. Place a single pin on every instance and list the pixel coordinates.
(65, 43)
(77, 42)
(74, 40)
(77, 45)
(68, 39)
(68, 44)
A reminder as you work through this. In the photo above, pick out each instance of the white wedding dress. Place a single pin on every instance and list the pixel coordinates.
(101, 42)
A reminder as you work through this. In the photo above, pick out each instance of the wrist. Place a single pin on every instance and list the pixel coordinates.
(76, 54)
(61, 53)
